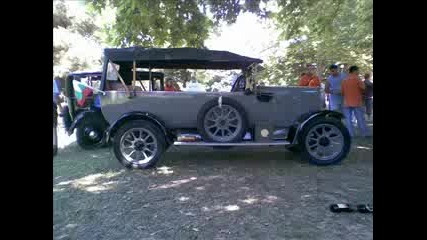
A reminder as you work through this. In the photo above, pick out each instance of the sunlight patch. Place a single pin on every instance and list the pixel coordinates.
(249, 200)
(96, 188)
(363, 147)
(164, 170)
(58, 189)
(183, 199)
(231, 208)
(172, 184)
(270, 199)
(64, 183)
(92, 183)
(94, 178)
(71, 225)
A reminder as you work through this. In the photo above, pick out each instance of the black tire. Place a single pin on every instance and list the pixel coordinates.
(328, 122)
(159, 136)
(225, 102)
(93, 121)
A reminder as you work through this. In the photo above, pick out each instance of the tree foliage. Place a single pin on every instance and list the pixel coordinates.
(319, 31)
(74, 45)
(169, 23)
(322, 32)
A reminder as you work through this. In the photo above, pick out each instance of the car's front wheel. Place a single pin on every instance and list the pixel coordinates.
(139, 144)
(325, 141)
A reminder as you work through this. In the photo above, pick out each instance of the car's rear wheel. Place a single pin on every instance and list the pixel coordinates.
(139, 144)
(90, 131)
(226, 123)
(325, 141)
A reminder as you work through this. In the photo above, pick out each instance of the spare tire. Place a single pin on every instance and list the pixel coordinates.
(226, 123)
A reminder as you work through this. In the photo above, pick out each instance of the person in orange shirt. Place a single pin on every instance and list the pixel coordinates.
(170, 85)
(304, 80)
(314, 82)
(309, 79)
(352, 89)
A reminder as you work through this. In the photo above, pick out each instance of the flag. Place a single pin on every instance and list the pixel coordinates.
(82, 92)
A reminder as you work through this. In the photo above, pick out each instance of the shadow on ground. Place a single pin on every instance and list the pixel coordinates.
(204, 194)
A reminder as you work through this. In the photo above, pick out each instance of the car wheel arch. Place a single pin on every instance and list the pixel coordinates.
(131, 116)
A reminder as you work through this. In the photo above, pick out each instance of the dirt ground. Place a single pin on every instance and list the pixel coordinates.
(265, 193)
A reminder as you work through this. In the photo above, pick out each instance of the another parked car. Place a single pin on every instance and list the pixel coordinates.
(83, 111)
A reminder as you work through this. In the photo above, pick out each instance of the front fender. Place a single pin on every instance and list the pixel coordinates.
(135, 116)
(304, 119)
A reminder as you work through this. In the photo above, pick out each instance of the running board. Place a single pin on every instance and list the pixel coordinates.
(249, 143)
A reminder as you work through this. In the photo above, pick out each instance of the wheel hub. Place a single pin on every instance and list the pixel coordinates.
(91, 133)
(139, 146)
(324, 142)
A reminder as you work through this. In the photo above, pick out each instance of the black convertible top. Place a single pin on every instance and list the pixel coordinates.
(192, 58)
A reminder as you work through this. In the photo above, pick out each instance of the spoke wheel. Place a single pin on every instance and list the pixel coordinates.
(325, 141)
(223, 124)
(139, 144)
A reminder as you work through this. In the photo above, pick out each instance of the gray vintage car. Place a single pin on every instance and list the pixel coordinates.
(143, 124)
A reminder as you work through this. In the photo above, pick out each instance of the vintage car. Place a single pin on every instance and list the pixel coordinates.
(143, 124)
(83, 111)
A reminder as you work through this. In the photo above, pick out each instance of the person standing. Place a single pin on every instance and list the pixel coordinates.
(369, 95)
(352, 89)
(333, 88)
(309, 79)
(323, 94)
(57, 93)
(303, 80)
(169, 86)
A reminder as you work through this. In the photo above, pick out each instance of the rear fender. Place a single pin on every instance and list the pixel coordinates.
(304, 119)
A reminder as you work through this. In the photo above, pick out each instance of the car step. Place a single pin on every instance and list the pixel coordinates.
(245, 143)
